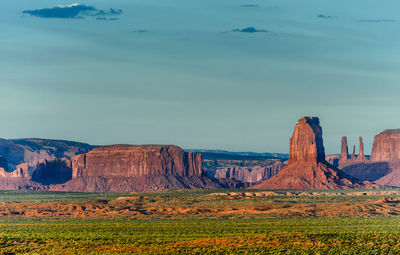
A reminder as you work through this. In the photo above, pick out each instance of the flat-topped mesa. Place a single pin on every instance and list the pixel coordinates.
(386, 146)
(137, 161)
(306, 144)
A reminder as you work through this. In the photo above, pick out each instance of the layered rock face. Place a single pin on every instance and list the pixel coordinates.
(32, 150)
(119, 168)
(307, 167)
(386, 146)
(386, 150)
(306, 144)
(137, 161)
(248, 171)
(19, 179)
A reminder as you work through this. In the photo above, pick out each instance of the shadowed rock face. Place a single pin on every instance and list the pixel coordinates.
(307, 168)
(3, 163)
(32, 150)
(386, 146)
(371, 171)
(53, 171)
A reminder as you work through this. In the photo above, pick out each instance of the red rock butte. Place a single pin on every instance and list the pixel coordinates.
(307, 168)
(386, 146)
(119, 168)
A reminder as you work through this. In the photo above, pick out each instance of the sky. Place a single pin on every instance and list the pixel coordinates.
(210, 74)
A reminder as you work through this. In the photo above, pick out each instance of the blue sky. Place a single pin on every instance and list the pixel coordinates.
(174, 72)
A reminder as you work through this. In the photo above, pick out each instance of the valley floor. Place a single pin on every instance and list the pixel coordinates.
(201, 222)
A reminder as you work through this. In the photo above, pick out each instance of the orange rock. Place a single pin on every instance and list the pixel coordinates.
(307, 168)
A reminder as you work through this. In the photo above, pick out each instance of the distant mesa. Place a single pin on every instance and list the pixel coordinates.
(386, 146)
(307, 167)
(119, 168)
(382, 167)
(74, 11)
(249, 30)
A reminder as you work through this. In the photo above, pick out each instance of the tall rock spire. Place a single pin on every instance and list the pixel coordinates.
(361, 155)
(344, 155)
(353, 155)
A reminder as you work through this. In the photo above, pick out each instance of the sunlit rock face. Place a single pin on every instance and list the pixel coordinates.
(137, 161)
(386, 146)
(307, 167)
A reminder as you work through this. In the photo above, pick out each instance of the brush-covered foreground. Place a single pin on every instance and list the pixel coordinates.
(201, 222)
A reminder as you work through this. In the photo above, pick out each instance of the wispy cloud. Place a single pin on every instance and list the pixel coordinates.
(324, 16)
(377, 20)
(74, 11)
(249, 5)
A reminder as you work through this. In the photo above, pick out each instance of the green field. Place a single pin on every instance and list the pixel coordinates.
(197, 233)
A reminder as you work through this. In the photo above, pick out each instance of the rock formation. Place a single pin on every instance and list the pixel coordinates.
(3, 163)
(361, 156)
(353, 155)
(344, 154)
(138, 168)
(32, 150)
(386, 146)
(19, 179)
(386, 151)
(248, 171)
(53, 171)
(137, 161)
(307, 167)
(345, 160)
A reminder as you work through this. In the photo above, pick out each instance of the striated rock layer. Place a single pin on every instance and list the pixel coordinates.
(386, 146)
(248, 171)
(19, 179)
(307, 167)
(138, 168)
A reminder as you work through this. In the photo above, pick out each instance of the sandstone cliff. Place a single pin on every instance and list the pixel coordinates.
(32, 150)
(248, 171)
(307, 167)
(19, 179)
(138, 168)
(137, 161)
(386, 146)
